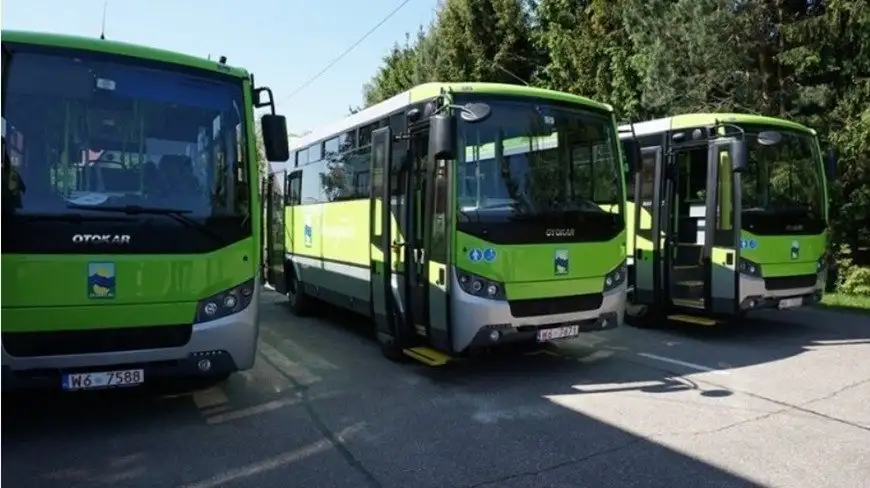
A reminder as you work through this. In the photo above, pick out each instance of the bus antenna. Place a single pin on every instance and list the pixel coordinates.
(103, 28)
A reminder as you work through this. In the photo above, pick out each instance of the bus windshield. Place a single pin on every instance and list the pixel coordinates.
(531, 158)
(784, 175)
(85, 130)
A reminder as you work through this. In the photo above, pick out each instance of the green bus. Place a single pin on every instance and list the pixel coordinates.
(459, 216)
(131, 213)
(739, 205)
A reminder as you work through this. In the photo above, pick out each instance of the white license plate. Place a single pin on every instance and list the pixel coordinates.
(791, 302)
(103, 379)
(556, 333)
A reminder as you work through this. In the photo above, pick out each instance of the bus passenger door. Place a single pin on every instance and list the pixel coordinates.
(419, 201)
(383, 250)
(275, 226)
(722, 235)
(647, 235)
(266, 216)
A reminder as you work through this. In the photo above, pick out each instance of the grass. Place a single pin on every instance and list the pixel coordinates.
(847, 303)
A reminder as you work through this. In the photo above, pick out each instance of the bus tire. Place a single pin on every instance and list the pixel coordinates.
(301, 303)
(391, 350)
(641, 317)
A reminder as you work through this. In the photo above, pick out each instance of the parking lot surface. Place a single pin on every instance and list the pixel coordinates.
(773, 403)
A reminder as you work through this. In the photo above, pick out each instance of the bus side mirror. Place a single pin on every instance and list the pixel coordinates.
(738, 156)
(831, 164)
(275, 141)
(442, 136)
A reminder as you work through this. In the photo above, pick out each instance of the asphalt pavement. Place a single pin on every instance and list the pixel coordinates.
(771, 403)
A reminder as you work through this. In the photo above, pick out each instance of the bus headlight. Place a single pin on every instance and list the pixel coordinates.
(749, 268)
(480, 286)
(227, 302)
(616, 277)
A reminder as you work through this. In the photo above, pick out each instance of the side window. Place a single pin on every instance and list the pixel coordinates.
(347, 141)
(293, 189)
(333, 179)
(302, 157)
(359, 165)
(314, 153)
(331, 147)
(310, 191)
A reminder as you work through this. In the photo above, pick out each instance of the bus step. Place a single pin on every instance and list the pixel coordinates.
(427, 356)
(691, 319)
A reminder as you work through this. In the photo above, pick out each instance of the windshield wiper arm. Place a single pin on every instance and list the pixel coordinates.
(177, 214)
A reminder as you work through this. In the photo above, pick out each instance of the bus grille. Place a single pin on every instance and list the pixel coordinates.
(64, 342)
(790, 282)
(549, 306)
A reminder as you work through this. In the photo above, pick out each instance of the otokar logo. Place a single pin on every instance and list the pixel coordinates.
(560, 232)
(118, 239)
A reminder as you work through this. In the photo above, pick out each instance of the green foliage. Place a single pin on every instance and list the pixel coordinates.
(851, 279)
(804, 60)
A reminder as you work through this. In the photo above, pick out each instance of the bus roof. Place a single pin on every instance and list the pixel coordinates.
(119, 48)
(427, 91)
(685, 121)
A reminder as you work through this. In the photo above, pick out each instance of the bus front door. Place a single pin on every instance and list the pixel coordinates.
(647, 231)
(275, 231)
(723, 217)
(385, 253)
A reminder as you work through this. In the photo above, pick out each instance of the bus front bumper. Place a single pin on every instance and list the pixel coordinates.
(478, 322)
(754, 294)
(224, 345)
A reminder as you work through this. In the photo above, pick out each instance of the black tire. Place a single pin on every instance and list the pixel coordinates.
(646, 319)
(301, 303)
(639, 316)
(391, 350)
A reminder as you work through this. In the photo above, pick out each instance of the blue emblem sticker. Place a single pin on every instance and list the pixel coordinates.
(307, 232)
(560, 262)
(489, 255)
(795, 250)
(101, 280)
(748, 243)
(475, 255)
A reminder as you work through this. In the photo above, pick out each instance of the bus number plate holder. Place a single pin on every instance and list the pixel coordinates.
(102, 379)
(557, 333)
(791, 302)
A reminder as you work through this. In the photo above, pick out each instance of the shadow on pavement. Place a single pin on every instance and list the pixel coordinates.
(503, 420)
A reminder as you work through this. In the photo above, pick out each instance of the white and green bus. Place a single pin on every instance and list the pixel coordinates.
(505, 220)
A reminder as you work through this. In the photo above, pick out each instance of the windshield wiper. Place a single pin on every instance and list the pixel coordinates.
(177, 214)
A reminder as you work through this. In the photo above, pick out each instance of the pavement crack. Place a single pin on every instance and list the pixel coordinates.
(552, 467)
(837, 392)
(302, 392)
(787, 406)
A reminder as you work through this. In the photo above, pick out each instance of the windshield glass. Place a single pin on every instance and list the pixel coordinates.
(108, 131)
(784, 173)
(531, 158)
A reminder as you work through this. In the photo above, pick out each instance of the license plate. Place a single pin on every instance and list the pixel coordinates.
(103, 379)
(556, 333)
(791, 302)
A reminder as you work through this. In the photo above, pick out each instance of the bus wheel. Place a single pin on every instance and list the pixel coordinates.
(639, 316)
(390, 349)
(300, 302)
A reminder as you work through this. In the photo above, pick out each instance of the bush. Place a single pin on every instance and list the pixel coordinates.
(851, 279)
